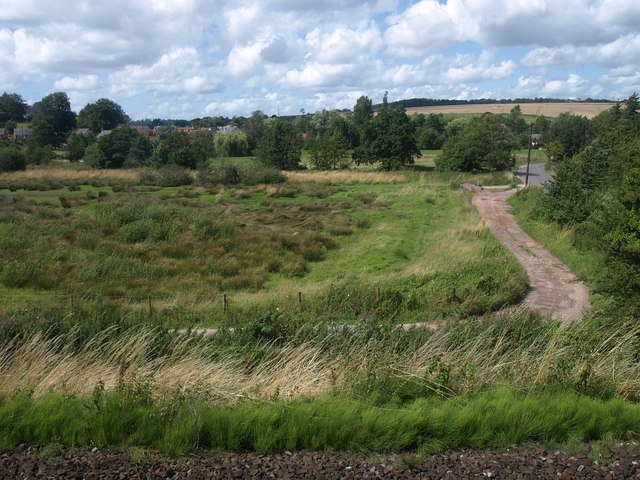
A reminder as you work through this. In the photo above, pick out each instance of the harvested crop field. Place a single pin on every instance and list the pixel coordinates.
(588, 110)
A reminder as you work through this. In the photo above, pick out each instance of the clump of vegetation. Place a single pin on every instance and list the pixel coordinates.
(12, 160)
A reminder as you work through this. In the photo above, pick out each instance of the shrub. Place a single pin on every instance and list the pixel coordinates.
(174, 176)
(12, 160)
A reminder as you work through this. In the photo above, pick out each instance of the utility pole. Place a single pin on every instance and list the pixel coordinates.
(526, 178)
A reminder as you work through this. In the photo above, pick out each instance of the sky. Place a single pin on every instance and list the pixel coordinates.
(196, 58)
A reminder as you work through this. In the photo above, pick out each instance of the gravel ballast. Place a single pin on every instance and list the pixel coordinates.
(514, 463)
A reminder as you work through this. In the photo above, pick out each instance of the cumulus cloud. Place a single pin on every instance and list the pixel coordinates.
(179, 71)
(84, 82)
(170, 57)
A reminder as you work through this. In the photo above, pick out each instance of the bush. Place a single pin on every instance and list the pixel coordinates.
(239, 173)
(174, 176)
(12, 160)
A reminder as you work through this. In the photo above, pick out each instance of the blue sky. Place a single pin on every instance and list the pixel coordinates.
(192, 58)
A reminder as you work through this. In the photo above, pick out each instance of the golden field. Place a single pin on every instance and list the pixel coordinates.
(588, 110)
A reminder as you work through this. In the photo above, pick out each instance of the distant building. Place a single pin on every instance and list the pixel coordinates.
(228, 128)
(22, 134)
(2, 133)
(536, 138)
(104, 133)
(82, 131)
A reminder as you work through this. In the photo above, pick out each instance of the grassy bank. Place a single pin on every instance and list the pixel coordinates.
(493, 419)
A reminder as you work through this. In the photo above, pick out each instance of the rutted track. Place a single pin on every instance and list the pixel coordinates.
(555, 290)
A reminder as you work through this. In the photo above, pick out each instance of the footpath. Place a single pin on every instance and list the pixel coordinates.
(555, 290)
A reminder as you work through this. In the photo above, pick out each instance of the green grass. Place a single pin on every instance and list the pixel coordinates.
(537, 156)
(492, 419)
(398, 248)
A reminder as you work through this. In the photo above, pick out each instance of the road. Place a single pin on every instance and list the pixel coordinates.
(537, 174)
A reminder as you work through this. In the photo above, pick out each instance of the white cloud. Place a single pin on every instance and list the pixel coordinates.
(84, 82)
(182, 56)
(179, 71)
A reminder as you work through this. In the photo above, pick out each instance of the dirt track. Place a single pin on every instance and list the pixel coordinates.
(555, 291)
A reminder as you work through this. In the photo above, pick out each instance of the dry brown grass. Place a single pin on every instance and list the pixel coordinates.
(347, 177)
(69, 174)
(588, 110)
(466, 361)
(41, 365)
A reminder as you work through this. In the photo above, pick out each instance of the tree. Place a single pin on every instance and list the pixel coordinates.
(77, 144)
(202, 146)
(281, 145)
(12, 107)
(104, 114)
(231, 144)
(572, 131)
(362, 111)
(254, 129)
(175, 150)
(518, 125)
(329, 151)
(484, 145)
(388, 138)
(52, 120)
(121, 148)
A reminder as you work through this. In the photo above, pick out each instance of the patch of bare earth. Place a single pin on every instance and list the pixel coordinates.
(555, 290)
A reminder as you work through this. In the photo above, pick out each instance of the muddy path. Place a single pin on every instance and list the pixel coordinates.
(555, 290)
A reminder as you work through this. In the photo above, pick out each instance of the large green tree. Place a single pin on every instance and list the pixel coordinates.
(281, 145)
(388, 138)
(485, 144)
(12, 107)
(571, 132)
(104, 114)
(123, 147)
(231, 144)
(52, 120)
(362, 111)
(176, 149)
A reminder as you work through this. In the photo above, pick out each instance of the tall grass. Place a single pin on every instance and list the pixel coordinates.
(273, 359)
(490, 419)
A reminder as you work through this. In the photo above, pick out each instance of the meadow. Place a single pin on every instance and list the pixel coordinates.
(341, 245)
(105, 275)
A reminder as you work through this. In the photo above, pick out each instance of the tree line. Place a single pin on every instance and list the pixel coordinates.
(334, 139)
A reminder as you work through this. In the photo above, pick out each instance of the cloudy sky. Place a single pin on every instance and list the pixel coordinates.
(192, 58)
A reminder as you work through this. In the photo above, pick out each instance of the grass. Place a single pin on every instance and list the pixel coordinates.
(538, 155)
(273, 359)
(354, 244)
(493, 419)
